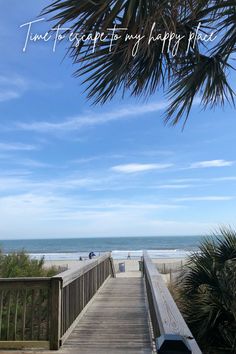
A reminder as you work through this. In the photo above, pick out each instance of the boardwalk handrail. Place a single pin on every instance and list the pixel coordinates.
(70, 275)
(41, 312)
(74, 288)
(168, 323)
(24, 312)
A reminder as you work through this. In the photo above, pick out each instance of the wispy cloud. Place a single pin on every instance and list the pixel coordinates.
(223, 179)
(7, 95)
(212, 163)
(205, 198)
(124, 155)
(185, 180)
(54, 206)
(92, 119)
(23, 181)
(203, 180)
(13, 86)
(33, 163)
(98, 157)
(138, 167)
(53, 216)
(154, 153)
(174, 186)
(16, 147)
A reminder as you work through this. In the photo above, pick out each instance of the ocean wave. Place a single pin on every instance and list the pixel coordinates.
(116, 254)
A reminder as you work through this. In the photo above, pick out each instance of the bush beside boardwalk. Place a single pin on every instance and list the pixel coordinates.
(19, 264)
(23, 302)
(206, 293)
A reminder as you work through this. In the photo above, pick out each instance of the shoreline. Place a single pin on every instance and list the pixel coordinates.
(168, 268)
(130, 264)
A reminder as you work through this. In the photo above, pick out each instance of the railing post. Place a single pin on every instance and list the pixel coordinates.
(83, 292)
(55, 313)
(112, 267)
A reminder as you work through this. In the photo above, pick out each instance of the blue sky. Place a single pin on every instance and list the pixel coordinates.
(69, 169)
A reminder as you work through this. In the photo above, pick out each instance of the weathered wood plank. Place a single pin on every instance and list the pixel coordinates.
(74, 273)
(8, 315)
(24, 313)
(1, 311)
(16, 314)
(116, 321)
(24, 345)
(75, 323)
(55, 313)
(168, 316)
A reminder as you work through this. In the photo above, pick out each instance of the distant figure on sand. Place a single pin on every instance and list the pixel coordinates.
(80, 258)
(91, 255)
(129, 256)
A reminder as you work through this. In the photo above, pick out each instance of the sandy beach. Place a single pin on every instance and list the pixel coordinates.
(130, 264)
(124, 267)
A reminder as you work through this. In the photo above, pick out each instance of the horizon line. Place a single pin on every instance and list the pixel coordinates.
(97, 237)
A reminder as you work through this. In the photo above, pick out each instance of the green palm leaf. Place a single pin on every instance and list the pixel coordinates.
(207, 288)
(199, 73)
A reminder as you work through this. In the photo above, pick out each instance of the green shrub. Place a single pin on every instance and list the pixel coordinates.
(19, 264)
(206, 293)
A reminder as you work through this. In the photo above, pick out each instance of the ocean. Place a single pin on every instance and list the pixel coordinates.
(73, 248)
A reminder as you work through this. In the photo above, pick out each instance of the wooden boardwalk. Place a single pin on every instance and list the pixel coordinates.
(116, 322)
(87, 310)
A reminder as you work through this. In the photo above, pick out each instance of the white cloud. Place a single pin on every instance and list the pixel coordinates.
(123, 155)
(11, 87)
(212, 163)
(92, 119)
(129, 206)
(8, 95)
(24, 182)
(138, 167)
(33, 163)
(154, 152)
(33, 215)
(223, 179)
(205, 198)
(16, 147)
(14, 86)
(185, 180)
(174, 186)
(204, 180)
(98, 157)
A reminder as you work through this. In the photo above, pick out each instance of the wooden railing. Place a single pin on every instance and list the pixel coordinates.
(78, 286)
(41, 312)
(170, 329)
(24, 312)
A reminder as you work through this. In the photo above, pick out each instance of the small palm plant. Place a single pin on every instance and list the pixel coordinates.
(206, 292)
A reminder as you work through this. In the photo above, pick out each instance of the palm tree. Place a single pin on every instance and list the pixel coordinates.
(201, 72)
(207, 292)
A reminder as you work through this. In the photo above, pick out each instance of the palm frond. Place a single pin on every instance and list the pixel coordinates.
(108, 69)
(207, 288)
(204, 77)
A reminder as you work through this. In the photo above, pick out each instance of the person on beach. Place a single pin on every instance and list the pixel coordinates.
(129, 256)
(91, 255)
